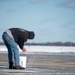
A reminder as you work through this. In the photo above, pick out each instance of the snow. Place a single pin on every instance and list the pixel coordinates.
(44, 49)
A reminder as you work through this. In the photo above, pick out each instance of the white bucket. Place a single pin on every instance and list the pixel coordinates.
(23, 61)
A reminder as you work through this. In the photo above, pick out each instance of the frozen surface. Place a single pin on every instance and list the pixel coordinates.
(44, 49)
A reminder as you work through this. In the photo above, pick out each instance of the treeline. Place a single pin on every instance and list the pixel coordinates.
(53, 44)
(1, 43)
(49, 44)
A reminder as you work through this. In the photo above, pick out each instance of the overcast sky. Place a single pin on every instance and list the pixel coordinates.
(51, 20)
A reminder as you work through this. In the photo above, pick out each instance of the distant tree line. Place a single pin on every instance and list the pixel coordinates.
(1, 43)
(49, 44)
(53, 44)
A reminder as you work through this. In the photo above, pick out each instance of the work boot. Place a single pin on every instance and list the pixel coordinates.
(11, 65)
(18, 67)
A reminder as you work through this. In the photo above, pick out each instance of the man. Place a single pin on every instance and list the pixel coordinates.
(13, 37)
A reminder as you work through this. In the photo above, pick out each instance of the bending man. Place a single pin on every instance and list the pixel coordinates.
(13, 37)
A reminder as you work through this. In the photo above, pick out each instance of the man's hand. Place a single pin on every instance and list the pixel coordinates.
(24, 49)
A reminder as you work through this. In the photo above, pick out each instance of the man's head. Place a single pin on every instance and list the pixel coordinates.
(31, 35)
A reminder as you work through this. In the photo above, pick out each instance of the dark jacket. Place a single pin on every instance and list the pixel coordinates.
(20, 36)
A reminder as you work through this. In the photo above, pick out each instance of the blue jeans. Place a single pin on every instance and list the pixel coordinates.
(13, 51)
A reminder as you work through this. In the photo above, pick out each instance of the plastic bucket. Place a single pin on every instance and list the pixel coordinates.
(23, 61)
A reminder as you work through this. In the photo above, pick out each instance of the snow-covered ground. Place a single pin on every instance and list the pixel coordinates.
(43, 49)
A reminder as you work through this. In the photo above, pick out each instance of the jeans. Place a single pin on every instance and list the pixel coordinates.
(13, 51)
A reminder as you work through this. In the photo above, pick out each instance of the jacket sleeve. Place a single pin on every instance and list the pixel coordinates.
(21, 44)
